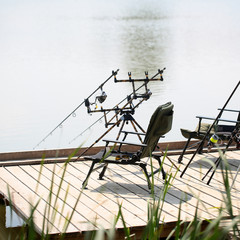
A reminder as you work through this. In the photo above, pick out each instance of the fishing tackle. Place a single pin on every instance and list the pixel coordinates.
(126, 111)
(129, 107)
(87, 104)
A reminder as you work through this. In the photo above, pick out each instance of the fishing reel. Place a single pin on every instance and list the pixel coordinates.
(101, 98)
(212, 141)
(237, 140)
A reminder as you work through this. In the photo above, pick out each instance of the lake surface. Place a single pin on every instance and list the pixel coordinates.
(54, 54)
(10, 223)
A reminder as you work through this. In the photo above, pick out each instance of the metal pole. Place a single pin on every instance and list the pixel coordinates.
(220, 113)
(235, 177)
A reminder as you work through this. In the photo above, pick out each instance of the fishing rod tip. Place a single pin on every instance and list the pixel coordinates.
(115, 73)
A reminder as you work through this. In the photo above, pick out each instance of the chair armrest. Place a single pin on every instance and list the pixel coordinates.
(229, 110)
(124, 142)
(220, 119)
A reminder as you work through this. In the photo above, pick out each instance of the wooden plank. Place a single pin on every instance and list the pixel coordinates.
(209, 194)
(137, 182)
(23, 200)
(217, 180)
(112, 195)
(172, 200)
(91, 209)
(66, 204)
(213, 193)
(41, 192)
(122, 188)
(207, 200)
(102, 199)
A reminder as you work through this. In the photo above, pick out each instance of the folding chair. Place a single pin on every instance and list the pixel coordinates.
(221, 130)
(160, 123)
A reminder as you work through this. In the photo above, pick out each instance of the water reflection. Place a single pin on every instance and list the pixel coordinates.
(143, 37)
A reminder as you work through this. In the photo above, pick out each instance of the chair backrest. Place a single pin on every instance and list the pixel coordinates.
(160, 123)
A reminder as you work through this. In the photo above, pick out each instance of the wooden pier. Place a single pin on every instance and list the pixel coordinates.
(30, 184)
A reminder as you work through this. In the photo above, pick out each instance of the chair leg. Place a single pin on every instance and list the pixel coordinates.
(158, 158)
(143, 166)
(103, 172)
(185, 148)
(200, 151)
(84, 184)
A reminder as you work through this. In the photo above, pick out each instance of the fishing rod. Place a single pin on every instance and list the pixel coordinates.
(89, 127)
(160, 72)
(119, 111)
(210, 128)
(114, 73)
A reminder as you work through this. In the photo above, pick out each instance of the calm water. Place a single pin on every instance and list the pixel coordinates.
(10, 223)
(53, 54)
